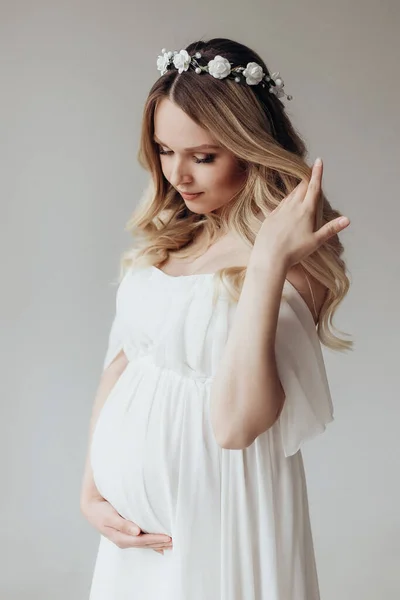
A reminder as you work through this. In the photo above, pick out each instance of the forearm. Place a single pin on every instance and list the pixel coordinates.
(107, 381)
(246, 393)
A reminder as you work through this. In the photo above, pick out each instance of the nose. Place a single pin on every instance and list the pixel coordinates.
(179, 174)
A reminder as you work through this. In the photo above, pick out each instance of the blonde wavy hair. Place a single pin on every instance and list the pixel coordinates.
(251, 123)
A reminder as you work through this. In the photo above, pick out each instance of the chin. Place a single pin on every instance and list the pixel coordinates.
(201, 210)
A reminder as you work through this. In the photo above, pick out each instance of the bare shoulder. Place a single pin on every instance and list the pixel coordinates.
(297, 277)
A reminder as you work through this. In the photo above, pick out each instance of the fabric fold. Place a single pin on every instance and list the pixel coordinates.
(308, 404)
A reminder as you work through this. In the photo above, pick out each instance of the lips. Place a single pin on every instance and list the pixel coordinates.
(190, 196)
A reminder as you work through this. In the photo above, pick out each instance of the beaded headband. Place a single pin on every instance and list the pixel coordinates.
(219, 67)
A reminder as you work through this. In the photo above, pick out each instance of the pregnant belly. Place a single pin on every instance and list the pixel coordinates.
(153, 445)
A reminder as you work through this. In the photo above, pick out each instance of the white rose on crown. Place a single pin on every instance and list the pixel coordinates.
(219, 67)
(163, 61)
(182, 61)
(253, 73)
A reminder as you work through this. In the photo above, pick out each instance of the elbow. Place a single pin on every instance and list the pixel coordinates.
(240, 439)
(229, 437)
(233, 442)
(237, 442)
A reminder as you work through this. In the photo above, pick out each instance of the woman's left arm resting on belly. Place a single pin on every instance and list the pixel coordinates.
(246, 393)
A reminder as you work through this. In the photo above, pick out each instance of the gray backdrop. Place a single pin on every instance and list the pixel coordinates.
(74, 76)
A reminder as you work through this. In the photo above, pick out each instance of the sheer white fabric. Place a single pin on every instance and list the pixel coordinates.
(238, 518)
(308, 405)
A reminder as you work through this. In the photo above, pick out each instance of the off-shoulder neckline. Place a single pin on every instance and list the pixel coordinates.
(183, 276)
(210, 275)
(207, 275)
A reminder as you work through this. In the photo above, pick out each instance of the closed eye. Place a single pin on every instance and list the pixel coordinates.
(209, 157)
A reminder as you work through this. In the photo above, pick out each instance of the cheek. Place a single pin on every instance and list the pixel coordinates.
(164, 168)
(227, 180)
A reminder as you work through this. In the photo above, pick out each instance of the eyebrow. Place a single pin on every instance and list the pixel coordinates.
(202, 147)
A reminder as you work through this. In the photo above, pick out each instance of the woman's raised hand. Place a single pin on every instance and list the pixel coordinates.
(122, 532)
(289, 231)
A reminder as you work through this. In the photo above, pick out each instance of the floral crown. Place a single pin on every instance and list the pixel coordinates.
(219, 67)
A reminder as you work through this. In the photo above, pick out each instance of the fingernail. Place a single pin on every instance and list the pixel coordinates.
(318, 162)
(344, 221)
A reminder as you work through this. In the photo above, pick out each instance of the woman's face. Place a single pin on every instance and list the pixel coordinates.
(213, 172)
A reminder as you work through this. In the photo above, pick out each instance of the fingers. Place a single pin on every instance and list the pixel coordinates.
(122, 532)
(311, 200)
(299, 191)
(127, 527)
(144, 540)
(307, 190)
(153, 539)
(127, 534)
(314, 187)
(331, 229)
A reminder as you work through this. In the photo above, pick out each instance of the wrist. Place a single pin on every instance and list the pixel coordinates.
(266, 264)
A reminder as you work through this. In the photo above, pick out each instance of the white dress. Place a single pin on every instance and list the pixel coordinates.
(239, 519)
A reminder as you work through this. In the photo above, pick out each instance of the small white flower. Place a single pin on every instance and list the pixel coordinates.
(219, 67)
(279, 83)
(162, 62)
(182, 61)
(253, 73)
(278, 92)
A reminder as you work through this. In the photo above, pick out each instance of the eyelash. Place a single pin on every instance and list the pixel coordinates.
(209, 157)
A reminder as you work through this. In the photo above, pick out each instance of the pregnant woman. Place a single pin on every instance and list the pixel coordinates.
(214, 375)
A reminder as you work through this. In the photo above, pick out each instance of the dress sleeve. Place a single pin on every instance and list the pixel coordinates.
(117, 334)
(308, 404)
(115, 341)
